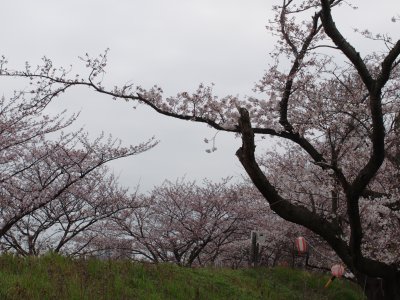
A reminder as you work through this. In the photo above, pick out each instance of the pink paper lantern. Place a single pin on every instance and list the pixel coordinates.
(337, 270)
(301, 244)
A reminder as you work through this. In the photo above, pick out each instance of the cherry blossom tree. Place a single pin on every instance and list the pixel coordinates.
(336, 115)
(65, 224)
(188, 224)
(39, 162)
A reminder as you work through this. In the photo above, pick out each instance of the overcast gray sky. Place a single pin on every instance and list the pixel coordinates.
(176, 44)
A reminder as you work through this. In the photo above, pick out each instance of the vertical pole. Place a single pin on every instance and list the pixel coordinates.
(254, 249)
(293, 254)
(307, 257)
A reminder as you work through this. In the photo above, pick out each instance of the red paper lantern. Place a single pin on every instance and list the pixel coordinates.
(337, 270)
(301, 244)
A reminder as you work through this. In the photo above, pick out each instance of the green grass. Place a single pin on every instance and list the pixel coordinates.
(56, 277)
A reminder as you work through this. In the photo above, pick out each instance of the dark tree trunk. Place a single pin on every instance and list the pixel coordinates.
(379, 289)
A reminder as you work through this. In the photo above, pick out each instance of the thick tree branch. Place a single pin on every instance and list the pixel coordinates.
(347, 49)
(293, 213)
(387, 65)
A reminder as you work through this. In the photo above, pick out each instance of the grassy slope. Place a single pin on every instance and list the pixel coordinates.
(55, 277)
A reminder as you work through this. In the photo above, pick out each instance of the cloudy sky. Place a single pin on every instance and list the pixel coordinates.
(176, 44)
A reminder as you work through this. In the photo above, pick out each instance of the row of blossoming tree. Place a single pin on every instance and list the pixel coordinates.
(182, 222)
(337, 116)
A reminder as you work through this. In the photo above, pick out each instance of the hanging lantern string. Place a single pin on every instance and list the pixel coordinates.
(322, 255)
(337, 270)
